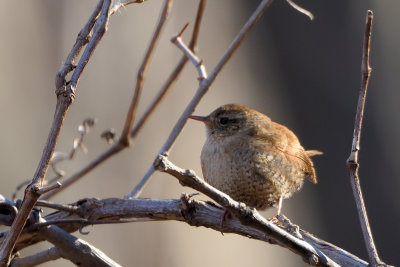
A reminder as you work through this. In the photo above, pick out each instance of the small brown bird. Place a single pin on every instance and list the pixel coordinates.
(253, 159)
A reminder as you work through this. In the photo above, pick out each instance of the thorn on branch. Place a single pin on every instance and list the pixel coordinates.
(179, 34)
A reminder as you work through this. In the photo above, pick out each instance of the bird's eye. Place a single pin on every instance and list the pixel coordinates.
(224, 120)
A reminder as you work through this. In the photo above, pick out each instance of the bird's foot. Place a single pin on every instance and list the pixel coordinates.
(290, 227)
(223, 217)
(274, 220)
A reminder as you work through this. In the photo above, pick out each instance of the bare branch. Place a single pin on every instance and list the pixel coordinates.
(117, 148)
(193, 212)
(125, 136)
(46, 189)
(174, 75)
(81, 41)
(56, 206)
(75, 249)
(65, 96)
(50, 254)
(201, 91)
(121, 3)
(352, 161)
(177, 39)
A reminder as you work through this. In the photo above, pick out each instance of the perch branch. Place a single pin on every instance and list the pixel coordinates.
(247, 216)
(352, 161)
(194, 212)
(167, 86)
(65, 93)
(201, 91)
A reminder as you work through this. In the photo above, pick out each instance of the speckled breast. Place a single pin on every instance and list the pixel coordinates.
(258, 176)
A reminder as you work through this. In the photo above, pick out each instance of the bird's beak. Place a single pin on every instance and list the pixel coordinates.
(204, 119)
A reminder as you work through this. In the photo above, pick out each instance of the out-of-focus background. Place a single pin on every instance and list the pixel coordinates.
(304, 74)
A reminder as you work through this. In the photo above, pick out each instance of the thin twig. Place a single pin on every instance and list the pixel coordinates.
(141, 75)
(352, 161)
(50, 254)
(121, 3)
(174, 75)
(177, 40)
(82, 39)
(300, 9)
(65, 96)
(56, 206)
(86, 222)
(201, 91)
(166, 87)
(83, 130)
(49, 188)
(58, 157)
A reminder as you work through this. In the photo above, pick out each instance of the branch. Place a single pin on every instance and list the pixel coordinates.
(177, 40)
(201, 91)
(300, 9)
(78, 251)
(50, 254)
(120, 3)
(352, 161)
(194, 212)
(125, 136)
(175, 73)
(65, 96)
(166, 87)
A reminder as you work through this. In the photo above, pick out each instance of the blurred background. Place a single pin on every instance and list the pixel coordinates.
(304, 74)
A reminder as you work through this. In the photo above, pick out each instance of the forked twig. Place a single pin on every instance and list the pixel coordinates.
(201, 91)
(352, 161)
(177, 40)
(166, 87)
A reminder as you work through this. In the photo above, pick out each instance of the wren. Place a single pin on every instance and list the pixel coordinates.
(253, 159)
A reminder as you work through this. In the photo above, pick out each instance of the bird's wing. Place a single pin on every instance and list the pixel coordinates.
(285, 141)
